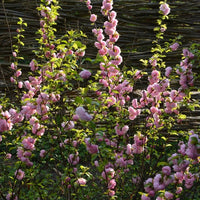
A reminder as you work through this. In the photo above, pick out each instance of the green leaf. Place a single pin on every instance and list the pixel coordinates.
(144, 62)
(164, 138)
(182, 116)
(78, 100)
(162, 164)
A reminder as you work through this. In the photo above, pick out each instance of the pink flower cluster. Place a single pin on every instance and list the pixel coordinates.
(5, 123)
(26, 152)
(138, 146)
(93, 18)
(158, 91)
(178, 173)
(11, 196)
(24, 156)
(174, 46)
(111, 76)
(82, 114)
(9, 118)
(73, 159)
(108, 174)
(91, 148)
(17, 72)
(81, 181)
(121, 131)
(29, 143)
(67, 125)
(88, 4)
(85, 74)
(19, 174)
(164, 7)
(107, 6)
(185, 70)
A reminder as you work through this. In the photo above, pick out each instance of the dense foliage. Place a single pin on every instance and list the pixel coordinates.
(75, 134)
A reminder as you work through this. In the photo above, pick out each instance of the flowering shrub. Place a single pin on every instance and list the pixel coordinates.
(56, 145)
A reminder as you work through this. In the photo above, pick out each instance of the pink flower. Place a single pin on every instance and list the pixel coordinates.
(27, 154)
(144, 197)
(110, 31)
(115, 51)
(114, 37)
(20, 84)
(29, 143)
(12, 80)
(111, 193)
(108, 173)
(189, 180)
(13, 66)
(174, 46)
(82, 114)
(179, 190)
(3, 125)
(153, 61)
(111, 101)
(165, 8)
(18, 73)
(168, 195)
(28, 85)
(19, 174)
(137, 149)
(148, 185)
(75, 117)
(118, 60)
(103, 51)
(154, 109)
(163, 29)
(113, 15)
(134, 103)
(14, 54)
(100, 37)
(33, 120)
(122, 131)
(191, 151)
(129, 149)
(168, 179)
(179, 176)
(168, 71)
(73, 159)
(92, 148)
(160, 198)
(68, 125)
(157, 183)
(80, 53)
(187, 53)
(33, 65)
(81, 181)
(85, 74)
(93, 18)
(120, 162)
(138, 74)
(89, 7)
(133, 113)
(107, 6)
(166, 170)
(8, 196)
(96, 163)
(8, 156)
(42, 153)
(112, 184)
(154, 78)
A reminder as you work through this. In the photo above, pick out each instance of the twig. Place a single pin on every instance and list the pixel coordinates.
(9, 32)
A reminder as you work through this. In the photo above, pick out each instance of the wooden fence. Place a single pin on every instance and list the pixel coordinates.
(137, 19)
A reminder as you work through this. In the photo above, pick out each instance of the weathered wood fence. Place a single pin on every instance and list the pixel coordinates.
(137, 19)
